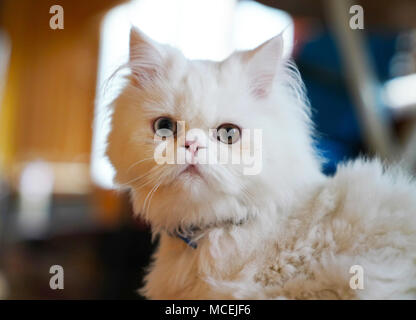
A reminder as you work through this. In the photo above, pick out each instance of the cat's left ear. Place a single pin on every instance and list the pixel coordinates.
(262, 64)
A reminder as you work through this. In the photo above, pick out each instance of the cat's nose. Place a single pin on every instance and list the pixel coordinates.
(195, 140)
(192, 145)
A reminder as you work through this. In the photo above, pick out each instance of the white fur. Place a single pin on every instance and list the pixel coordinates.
(304, 230)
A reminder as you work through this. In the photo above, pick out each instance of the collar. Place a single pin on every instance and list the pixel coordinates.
(188, 241)
(191, 234)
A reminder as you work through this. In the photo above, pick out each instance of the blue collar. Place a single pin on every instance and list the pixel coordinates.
(187, 235)
(188, 241)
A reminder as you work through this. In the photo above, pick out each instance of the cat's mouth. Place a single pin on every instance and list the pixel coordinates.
(192, 170)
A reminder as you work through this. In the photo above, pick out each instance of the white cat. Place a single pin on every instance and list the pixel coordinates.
(286, 232)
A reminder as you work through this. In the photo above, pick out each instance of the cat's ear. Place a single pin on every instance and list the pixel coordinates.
(263, 63)
(145, 58)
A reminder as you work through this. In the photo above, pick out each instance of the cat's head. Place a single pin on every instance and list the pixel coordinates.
(172, 106)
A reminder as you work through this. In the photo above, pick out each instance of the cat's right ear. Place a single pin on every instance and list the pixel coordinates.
(262, 64)
(145, 58)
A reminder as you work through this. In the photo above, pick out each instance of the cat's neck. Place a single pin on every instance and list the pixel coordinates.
(261, 218)
(191, 234)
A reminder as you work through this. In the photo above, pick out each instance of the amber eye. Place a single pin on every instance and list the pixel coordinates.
(164, 127)
(228, 133)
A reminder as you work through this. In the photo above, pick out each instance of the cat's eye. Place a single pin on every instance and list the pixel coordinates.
(164, 127)
(228, 133)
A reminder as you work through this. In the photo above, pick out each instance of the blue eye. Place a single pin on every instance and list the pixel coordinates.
(164, 127)
(228, 133)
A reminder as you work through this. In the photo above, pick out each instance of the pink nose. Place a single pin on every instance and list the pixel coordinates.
(192, 146)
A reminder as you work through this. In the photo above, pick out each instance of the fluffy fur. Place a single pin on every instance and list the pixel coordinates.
(302, 231)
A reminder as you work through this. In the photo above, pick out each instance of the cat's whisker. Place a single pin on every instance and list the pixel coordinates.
(150, 177)
(153, 193)
(145, 200)
(149, 196)
(151, 171)
(138, 162)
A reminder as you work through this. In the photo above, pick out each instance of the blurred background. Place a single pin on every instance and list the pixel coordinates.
(57, 202)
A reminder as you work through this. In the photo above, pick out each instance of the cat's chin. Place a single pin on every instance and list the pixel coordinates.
(193, 182)
(191, 172)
